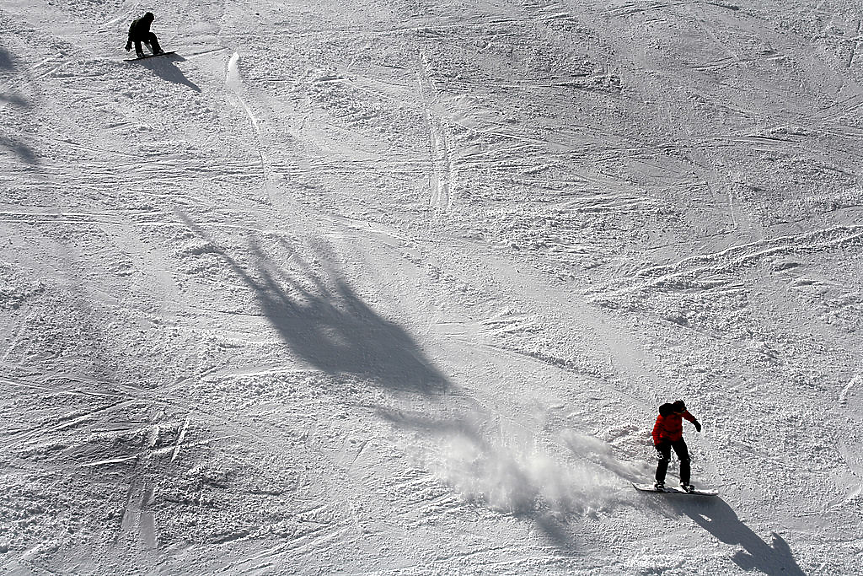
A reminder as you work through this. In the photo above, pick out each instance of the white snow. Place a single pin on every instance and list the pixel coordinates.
(397, 287)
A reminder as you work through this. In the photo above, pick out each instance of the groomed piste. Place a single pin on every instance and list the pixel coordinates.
(397, 287)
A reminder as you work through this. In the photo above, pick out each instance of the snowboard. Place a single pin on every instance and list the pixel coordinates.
(676, 490)
(145, 56)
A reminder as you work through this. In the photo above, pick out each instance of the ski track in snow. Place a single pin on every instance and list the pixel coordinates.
(397, 287)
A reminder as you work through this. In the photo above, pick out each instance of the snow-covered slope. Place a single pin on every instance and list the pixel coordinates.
(397, 286)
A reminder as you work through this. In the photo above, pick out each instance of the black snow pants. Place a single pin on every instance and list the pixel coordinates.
(150, 40)
(682, 452)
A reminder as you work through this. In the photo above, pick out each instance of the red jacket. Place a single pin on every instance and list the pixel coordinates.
(670, 428)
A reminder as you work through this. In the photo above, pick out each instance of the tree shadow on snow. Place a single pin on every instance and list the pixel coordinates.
(333, 329)
(164, 68)
(22, 151)
(720, 520)
(14, 100)
(327, 324)
(7, 64)
(6, 61)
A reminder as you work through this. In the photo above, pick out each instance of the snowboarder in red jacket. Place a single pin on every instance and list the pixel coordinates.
(139, 32)
(668, 434)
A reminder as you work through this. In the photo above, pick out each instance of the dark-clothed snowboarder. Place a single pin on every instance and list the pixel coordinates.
(139, 32)
(668, 434)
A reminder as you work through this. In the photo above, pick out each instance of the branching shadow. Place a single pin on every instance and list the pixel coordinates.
(720, 520)
(164, 68)
(330, 327)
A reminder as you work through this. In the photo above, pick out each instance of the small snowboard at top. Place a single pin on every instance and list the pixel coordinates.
(675, 490)
(144, 57)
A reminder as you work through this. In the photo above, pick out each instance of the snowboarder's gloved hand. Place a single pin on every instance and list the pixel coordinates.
(128, 46)
(697, 426)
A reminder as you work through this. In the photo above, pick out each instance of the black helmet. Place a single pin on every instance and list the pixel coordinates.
(149, 16)
(679, 406)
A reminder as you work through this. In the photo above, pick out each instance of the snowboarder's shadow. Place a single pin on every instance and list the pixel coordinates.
(720, 520)
(164, 67)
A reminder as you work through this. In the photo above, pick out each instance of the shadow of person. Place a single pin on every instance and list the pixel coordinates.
(720, 520)
(164, 67)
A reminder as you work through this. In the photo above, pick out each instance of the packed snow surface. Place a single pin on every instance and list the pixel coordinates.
(397, 286)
